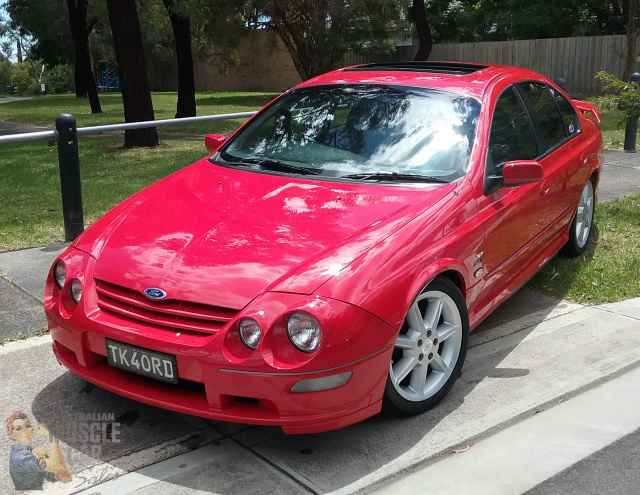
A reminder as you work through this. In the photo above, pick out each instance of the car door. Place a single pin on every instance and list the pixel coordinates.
(509, 214)
(560, 153)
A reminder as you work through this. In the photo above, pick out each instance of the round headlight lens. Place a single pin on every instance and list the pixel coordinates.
(304, 331)
(76, 290)
(59, 274)
(249, 331)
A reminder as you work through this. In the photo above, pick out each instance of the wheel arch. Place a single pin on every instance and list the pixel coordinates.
(452, 269)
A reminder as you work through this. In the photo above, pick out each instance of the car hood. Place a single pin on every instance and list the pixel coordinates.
(221, 236)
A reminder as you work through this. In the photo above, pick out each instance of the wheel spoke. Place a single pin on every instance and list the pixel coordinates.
(405, 342)
(415, 318)
(418, 379)
(432, 316)
(402, 368)
(438, 364)
(446, 330)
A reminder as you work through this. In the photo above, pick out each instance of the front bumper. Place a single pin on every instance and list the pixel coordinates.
(218, 380)
(232, 395)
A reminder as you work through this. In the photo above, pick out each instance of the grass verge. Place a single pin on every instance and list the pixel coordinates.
(24, 336)
(42, 110)
(609, 270)
(612, 129)
(31, 213)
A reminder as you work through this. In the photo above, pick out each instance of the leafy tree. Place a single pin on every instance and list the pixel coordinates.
(136, 94)
(5, 73)
(61, 30)
(317, 33)
(47, 21)
(22, 78)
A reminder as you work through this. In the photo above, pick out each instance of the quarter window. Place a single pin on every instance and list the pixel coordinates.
(571, 122)
(545, 113)
(511, 135)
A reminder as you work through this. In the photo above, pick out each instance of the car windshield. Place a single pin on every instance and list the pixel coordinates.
(361, 132)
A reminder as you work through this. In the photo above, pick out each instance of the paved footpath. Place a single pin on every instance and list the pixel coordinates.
(530, 355)
(540, 376)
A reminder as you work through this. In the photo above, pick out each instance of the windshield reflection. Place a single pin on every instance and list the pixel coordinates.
(340, 130)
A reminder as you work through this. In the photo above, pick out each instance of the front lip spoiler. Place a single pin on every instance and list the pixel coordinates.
(304, 373)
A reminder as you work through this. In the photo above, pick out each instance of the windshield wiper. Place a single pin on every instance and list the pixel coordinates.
(394, 176)
(276, 165)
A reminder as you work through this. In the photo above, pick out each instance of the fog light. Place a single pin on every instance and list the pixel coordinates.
(59, 274)
(76, 290)
(319, 384)
(304, 331)
(249, 331)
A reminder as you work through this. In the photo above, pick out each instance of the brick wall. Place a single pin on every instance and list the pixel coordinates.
(265, 65)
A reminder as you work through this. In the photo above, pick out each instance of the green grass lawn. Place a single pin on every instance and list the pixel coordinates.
(612, 129)
(31, 213)
(609, 270)
(42, 110)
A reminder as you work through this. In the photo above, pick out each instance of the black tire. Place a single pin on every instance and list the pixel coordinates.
(578, 237)
(400, 395)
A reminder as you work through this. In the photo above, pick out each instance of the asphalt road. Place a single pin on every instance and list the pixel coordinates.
(614, 470)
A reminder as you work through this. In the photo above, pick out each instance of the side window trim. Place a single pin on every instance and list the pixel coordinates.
(537, 132)
(489, 179)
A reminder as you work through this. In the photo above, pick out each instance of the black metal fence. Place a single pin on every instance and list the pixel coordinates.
(66, 136)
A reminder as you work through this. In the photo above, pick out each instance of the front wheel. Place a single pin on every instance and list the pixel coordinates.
(582, 223)
(429, 351)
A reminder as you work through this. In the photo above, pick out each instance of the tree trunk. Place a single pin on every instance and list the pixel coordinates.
(181, 25)
(419, 15)
(633, 32)
(84, 77)
(136, 95)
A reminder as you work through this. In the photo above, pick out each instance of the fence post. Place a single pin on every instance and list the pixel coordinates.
(631, 130)
(69, 163)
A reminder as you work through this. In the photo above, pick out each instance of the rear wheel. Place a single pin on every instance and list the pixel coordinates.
(582, 222)
(429, 351)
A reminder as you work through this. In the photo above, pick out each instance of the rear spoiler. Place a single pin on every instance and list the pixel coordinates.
(586, 107)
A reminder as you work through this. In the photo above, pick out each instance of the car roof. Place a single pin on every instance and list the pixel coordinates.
(460, 77)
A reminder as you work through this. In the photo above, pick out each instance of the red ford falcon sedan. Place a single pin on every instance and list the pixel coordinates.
(330, 258)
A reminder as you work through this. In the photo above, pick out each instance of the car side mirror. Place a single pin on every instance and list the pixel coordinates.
(520, 172)
(214, 141)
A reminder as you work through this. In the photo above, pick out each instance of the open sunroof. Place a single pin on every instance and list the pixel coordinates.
(454, 68)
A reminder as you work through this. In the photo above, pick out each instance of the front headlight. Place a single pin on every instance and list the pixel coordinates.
(59, 274)
(249, 331)
(304, 331)
(76, 290)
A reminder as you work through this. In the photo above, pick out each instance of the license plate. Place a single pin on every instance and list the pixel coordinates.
(142, 361)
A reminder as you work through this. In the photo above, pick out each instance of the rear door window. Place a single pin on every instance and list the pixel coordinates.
(548, 121)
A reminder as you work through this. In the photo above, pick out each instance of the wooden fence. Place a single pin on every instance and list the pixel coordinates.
(577, 60)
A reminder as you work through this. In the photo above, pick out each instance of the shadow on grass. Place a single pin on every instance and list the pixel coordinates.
(556, 278)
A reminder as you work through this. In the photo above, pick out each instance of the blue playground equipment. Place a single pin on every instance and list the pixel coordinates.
(108, 77)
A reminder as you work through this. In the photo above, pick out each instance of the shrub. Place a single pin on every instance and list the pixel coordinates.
(22, 78)
(621, 94)
(57, 79)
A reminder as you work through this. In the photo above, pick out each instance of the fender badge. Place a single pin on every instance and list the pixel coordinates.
(155, 294)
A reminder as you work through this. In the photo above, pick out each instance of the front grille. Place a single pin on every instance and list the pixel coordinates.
(173, 314)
